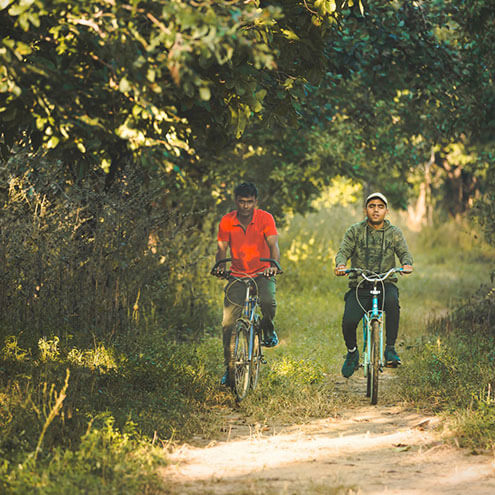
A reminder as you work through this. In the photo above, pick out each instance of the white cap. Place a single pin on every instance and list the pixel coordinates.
(377, 195)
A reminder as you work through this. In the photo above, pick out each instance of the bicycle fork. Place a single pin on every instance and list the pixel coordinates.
(377, 315)
(249, 317)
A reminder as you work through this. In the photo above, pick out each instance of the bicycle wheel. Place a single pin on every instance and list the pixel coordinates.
(256, 356)
(239, 365)
(375, 360)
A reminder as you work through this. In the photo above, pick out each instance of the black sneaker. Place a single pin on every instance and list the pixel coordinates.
(351, 363)
(271, 340)
(392, 359)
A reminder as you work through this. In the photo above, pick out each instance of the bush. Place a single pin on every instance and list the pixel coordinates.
(107, 461)
(103, 290)
(98, 262)
(452, 371)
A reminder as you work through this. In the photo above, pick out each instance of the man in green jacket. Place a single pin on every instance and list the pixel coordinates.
(372, 245)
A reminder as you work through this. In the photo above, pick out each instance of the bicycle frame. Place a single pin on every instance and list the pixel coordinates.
(249, 312)
(369, 316)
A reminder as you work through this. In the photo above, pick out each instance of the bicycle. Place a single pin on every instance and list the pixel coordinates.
(246, 355)
(373, 361)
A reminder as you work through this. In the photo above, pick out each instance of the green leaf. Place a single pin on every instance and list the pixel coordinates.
(205, 93)
(361, 7)
(4, 4)
(105, 165)
(52, 142)
(23, 49)
(124, 86)
(20, 8)
(289, 34)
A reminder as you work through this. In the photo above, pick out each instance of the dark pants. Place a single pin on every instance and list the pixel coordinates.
(353, 313)
(235, 293)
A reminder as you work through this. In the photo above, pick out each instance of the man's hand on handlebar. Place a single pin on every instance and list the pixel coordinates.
(340, 271)
(406, 269)
(219, 271)
(270, 271)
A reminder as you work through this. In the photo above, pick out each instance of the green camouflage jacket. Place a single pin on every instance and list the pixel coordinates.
(373, 249)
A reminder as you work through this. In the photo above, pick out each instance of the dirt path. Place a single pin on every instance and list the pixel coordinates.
(384, 449)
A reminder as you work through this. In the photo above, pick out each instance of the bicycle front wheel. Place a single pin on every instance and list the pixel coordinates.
(375, 360)
(239, 365)
(256, 356)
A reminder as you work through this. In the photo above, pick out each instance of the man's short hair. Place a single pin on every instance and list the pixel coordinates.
(246, 190)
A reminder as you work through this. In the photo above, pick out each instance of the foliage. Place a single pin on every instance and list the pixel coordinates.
(402, 85)
(484, 207)
(453, 370)
(101, 429)
(80, 259)
(102, 82)
(107, 461)
(287, 94)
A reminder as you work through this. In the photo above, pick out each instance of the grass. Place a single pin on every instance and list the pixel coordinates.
(97, 420)
(451, 371)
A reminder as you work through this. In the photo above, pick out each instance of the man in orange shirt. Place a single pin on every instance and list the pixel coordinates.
(251, 234)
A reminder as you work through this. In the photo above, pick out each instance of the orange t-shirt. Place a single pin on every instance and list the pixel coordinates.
(247, 246)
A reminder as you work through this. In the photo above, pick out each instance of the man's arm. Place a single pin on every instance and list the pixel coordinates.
(272, 241)
(345, 251)
(403, 253)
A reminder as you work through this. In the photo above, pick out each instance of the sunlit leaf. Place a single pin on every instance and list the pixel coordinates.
(205, 93)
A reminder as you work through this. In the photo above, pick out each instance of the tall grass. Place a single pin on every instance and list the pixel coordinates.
(450, 363)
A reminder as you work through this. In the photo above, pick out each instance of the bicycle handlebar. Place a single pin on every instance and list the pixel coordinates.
(370, 276)
(227, 273)
(273, 262)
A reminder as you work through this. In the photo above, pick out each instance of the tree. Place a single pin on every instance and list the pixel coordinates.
(98, 82)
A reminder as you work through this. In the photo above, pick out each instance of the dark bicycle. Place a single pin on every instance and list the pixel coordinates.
(246, 355)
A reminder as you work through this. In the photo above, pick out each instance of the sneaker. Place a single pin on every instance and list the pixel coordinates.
(225, 378)
(271, 340)
(351, 363)
(392, 359)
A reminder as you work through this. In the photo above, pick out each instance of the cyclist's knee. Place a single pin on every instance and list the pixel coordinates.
(349, 325)
(268, 308)
(230, 315)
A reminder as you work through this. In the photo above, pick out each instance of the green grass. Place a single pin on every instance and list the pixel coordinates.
(96, 420)
(452, 371)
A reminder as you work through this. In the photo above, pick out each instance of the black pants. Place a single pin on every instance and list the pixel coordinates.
(353, 313)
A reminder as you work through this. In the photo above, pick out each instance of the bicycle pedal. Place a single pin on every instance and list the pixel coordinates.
(263, 361)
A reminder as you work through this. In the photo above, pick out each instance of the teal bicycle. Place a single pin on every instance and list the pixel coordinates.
(373, 340)
(246, 355)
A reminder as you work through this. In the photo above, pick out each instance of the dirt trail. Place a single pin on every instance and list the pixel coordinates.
(383, 449)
